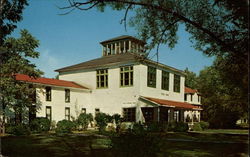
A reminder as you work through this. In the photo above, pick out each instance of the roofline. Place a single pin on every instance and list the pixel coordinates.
(117, 63)
(168, 105)
(88, 90)
(94, 67)
(142, 97)
(165, 66)
(127, 37)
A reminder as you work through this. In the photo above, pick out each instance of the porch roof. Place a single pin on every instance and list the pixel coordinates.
(174, 104)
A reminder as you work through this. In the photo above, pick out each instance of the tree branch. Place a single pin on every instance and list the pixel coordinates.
(227, 47)
(125, 17)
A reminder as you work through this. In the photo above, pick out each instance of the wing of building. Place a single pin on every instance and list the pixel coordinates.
(121, 81)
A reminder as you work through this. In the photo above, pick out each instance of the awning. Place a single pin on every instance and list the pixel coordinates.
(173, 104)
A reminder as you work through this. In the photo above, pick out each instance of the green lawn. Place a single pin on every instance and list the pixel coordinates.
(227, 131)
(78, 144)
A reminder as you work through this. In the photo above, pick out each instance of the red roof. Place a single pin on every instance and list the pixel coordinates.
(48, 81)
(170, 103)
(190, 90)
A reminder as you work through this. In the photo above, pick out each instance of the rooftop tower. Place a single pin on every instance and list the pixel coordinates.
(122, 44)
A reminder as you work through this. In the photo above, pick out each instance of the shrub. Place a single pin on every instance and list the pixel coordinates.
(124, 126)
(136, 142)
(137, 128)
(84, 119)
(197, 127)
(204, 125)
(53, 125)
(177, 127)
(18, 130)
(171, 126)
(157, 127)
(181, 127)
(40, 124)
(118, 119)
(102, 121)
(188, 119)
(64, 127)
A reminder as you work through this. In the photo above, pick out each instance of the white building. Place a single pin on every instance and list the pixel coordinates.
(121, 81)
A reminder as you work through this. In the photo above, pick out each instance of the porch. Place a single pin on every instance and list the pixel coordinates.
(159, 110)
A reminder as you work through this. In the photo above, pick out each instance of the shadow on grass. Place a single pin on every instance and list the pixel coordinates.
(51, 145)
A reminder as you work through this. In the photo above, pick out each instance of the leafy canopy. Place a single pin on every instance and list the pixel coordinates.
(10, 13)
(16, 94)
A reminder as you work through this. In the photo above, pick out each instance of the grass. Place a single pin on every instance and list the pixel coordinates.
(227, 131)
(90, 144)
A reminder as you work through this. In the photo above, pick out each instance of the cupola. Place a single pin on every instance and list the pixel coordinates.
(122, 44)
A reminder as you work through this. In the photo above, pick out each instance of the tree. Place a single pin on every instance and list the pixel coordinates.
(102, 120)
(218, 28)
(10, 13)
(190, 79)
(84, 120)
(222, 104)
(15, 94)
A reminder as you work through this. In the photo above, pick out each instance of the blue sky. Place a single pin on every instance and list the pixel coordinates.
(70, 39)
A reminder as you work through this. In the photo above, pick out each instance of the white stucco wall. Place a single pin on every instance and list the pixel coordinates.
(158, 92)
(110, 100)
(113, 99)
(78, 99)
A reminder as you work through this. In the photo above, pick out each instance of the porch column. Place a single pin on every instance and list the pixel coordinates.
(107, 49)
(129, 46)
(112, 49)
(124, 43)
(192, 117)
(171, 118)
(120, 47)
(115, 48)
(182, 115)
(103, 49)
(158, 114)
(137, 48)
(199, 114)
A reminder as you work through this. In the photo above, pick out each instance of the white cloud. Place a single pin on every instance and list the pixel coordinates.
(47, 63)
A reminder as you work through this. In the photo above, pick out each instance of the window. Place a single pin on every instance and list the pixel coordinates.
(48, 93)
(48, 113)
(97, 110)
(177, 82)
(191, 97)
(83, 110)
(67, 113)
(102, 78)
(185, 97)
(129, 114)
(176, 116)
(198, 98)
(67, 95)
(165, 80)
(148, 113)
(126, 75)
(151, 77)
